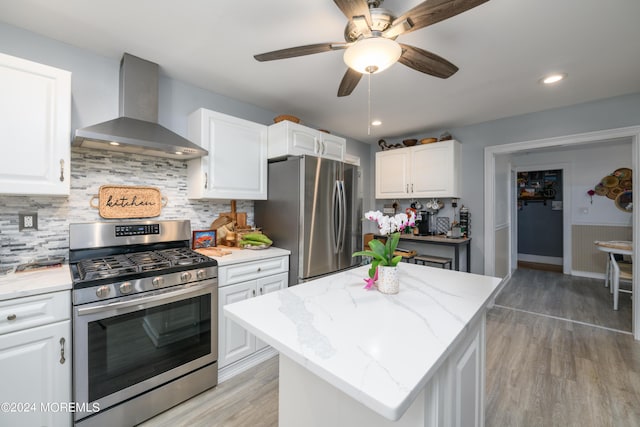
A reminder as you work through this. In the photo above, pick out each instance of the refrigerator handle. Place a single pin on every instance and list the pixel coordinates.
(343, 215)
(335, 213)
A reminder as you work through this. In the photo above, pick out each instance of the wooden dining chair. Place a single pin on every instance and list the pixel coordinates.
(619, 271)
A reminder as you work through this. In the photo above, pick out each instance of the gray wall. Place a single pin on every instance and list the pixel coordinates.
(608, 113)
(94, 86)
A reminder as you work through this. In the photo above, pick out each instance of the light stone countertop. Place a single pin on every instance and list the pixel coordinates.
(17, 285)
(379, 349)
(246, 255)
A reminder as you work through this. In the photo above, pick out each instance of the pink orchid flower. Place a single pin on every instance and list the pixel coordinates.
(370, 281)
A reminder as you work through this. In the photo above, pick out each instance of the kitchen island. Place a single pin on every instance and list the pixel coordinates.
(354, 357)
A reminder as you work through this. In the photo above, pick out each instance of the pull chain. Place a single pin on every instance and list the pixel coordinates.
(369, 106)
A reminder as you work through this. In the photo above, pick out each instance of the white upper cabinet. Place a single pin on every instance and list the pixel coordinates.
(236, 167)
(428, 170)
(35, 128)
(288, 138)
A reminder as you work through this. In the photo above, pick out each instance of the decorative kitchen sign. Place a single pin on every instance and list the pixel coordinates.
(121, 201)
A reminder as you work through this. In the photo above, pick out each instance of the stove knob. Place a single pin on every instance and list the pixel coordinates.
(186, 276)
(103, 291)
(157, 282)
(201, 274)
(126, 287)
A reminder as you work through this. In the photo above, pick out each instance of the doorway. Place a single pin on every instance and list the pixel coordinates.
(496, 233)
(539, 219)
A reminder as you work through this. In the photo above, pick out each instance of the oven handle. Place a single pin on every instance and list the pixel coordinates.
(164, 297)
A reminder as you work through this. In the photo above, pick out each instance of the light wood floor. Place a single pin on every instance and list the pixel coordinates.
(570, 297)
(541, 371)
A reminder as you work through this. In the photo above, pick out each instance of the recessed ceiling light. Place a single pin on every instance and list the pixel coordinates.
(114, 143)
(376, 123)
(179, 153)
(553, 78)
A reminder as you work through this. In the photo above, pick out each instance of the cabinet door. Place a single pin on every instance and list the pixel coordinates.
(467, 380)
(435, 170)
(35, 121)
(236, 167)
(267, 285)
(333, 147)
(32, 373)
(234, 342)
(302, 141)
(393, 170)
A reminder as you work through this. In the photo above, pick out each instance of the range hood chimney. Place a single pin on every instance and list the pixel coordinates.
(137, 129)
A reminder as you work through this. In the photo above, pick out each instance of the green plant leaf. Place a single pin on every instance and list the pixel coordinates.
(392, 244)
(372, 270)
(369, 254)
(395, 260)
(377, 247)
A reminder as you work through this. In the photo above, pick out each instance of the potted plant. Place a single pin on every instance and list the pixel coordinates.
(384, 263)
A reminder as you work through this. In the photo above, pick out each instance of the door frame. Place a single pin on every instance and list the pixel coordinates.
(632, 132)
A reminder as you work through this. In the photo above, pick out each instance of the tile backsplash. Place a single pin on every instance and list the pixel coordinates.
(89, 170)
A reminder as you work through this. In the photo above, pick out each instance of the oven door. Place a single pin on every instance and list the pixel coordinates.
(134, 344)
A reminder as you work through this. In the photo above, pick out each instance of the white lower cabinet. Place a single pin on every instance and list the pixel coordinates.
(239, 282)
(455, 395)
(35, 361)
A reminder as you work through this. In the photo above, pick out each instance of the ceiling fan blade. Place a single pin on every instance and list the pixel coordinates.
(352, 8)
(349, 82)
(426, 62)
(397, 28)
(300, 51)
(430, 12)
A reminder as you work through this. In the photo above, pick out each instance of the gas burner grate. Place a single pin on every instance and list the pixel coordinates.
(123, 264)
(182, 256)
(97, 268)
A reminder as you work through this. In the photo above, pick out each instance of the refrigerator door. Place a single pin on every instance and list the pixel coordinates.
(320, 218)
(352, 234)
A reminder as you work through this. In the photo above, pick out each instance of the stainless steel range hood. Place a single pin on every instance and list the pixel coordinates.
(137, 129)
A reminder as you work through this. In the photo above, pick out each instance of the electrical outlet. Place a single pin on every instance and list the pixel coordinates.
(28, 221)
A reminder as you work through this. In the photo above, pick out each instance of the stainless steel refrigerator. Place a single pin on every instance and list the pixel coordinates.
(314, 209)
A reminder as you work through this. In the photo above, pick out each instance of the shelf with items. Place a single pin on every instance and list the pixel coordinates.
(538, 186)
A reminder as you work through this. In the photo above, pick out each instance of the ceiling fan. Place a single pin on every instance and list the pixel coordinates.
(373, 29)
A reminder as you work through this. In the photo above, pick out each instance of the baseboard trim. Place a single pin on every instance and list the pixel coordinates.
(540, 259)
(248, 362)
(588, 274)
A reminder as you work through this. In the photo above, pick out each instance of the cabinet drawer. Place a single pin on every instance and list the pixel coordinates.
(28, 312)
(252, 270)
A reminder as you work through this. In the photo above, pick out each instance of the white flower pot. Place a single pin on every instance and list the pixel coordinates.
(388, 279)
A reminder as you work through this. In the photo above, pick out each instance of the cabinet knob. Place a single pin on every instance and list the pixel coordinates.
(259, 269)
(61, 170)
(12, 317)
(253, 291)
(206, 180)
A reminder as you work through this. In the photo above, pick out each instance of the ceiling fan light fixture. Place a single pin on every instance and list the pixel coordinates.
(372, 55)
(376, 123)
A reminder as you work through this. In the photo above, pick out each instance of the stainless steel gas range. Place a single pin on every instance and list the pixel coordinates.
(144, 320)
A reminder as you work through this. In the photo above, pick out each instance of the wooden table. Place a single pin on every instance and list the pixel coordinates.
(456, 243)
(620, 247)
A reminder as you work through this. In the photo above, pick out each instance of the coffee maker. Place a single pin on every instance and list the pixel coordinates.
(425, 220)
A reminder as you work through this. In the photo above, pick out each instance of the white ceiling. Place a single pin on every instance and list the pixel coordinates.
(502, 48)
